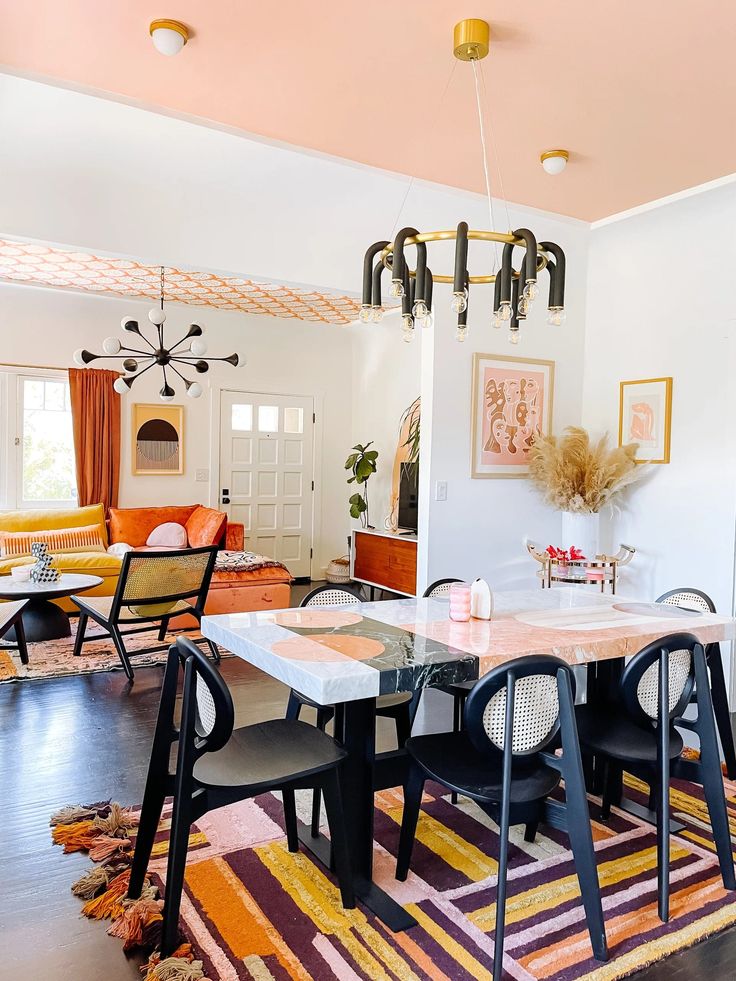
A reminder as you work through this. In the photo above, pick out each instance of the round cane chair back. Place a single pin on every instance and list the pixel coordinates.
(536, 717)
(688, 599)
(332, 596)
(641, 678)
(439, 589)
(214, 715)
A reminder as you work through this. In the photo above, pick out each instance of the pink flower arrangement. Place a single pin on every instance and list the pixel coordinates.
(572, 554)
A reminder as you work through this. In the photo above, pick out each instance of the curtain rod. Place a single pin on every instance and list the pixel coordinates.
(38, 367)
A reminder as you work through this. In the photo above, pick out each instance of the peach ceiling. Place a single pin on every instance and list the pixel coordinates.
(42, 265)
(641, 93)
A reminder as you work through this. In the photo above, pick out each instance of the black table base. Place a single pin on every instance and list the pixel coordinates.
(43, 620)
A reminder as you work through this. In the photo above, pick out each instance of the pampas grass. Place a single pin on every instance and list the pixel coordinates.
(573, 474)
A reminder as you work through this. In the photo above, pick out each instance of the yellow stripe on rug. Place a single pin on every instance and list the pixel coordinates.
(455, 851)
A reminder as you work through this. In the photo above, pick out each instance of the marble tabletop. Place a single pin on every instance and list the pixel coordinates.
(338, 654)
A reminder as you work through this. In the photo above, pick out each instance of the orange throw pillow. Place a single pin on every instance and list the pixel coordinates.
(205, 527)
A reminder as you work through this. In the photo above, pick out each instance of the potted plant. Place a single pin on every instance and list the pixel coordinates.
(580, 478)
(362, 464)
(411, 425)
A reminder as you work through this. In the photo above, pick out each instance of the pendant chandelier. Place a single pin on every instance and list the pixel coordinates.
(515, 278)
(191, 355)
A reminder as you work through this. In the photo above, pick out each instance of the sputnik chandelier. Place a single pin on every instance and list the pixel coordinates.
(191, 355)
(515, 289)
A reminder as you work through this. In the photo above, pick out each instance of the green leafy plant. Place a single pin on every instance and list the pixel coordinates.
(362, 464)
(412, 419)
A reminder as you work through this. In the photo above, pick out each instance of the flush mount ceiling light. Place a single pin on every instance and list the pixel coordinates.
(168, 36)
(514, 289)
(189, 356)
(554, 161)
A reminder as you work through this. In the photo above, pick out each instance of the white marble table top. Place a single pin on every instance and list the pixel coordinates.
(65, 585)
(338, 654)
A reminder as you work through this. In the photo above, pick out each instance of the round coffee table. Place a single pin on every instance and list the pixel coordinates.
(42, 619)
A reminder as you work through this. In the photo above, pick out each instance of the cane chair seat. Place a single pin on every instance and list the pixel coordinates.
(609, 730)
(268, 754)
(101, 605)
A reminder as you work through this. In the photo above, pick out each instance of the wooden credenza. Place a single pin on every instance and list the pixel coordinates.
(385, 560)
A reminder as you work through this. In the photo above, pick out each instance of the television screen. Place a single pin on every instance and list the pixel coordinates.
(409, 498)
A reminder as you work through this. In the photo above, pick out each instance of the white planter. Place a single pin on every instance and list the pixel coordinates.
(583, 531)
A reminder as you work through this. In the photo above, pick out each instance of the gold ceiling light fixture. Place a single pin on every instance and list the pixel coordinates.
(554, 161)
(515, 289)
(168, 36)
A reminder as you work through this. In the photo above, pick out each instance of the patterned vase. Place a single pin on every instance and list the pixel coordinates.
(43, 571)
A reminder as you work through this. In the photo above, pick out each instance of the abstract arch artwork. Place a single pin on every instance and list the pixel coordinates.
(158, 446)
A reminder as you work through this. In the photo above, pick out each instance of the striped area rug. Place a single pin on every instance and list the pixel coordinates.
(254, 911)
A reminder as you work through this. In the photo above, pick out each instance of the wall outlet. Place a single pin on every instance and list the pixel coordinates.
(202, 476)
(440, 490)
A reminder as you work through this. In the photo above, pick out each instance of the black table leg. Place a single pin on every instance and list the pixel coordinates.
(359, 739)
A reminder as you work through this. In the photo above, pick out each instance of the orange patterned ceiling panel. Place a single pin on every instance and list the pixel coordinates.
(43, 265)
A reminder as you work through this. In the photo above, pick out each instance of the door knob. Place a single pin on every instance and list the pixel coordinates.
(226, 500)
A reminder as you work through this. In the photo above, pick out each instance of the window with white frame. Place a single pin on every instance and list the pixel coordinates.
(37, 441)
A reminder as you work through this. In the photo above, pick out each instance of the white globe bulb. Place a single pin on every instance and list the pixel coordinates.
(555, 163)
(167, 395)
(111, 346)
(120, 386)
(194, 391)
(167, 41)
(157, 316)
(77, 357)
(198, 347)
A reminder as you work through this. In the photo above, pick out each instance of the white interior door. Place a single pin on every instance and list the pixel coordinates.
(267, 473)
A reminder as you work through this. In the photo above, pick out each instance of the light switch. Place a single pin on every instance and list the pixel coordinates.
(202, 476)
(440, 490)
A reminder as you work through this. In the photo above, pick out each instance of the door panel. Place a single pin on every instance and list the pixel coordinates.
(266, 466)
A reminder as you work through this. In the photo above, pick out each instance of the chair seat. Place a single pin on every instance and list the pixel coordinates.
(270, 753)
(99, 606)
(461, 688)
(605, 729)
(451, 759)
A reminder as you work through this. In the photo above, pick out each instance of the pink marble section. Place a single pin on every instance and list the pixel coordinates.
(328, 647)
(497, 641)
(316, 618)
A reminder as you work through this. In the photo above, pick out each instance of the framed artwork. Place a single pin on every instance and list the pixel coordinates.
(645, 415)
(158, 439)
(512, 404)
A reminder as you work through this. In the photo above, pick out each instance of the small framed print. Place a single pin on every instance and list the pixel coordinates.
(645, 417)
(158, 439)
(512, 405)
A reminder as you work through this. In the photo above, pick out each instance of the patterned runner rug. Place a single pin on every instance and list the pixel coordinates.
(252, 910)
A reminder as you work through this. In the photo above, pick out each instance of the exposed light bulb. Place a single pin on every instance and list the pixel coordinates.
(111, 346)
(523, 306)
(408, 336)
(167, 393)
(459, 302)
(556, 316)
(426, 321)
(420, 310)
(531, 290)
(377, 315)
(198, 347)
(121, 386)
(194, 390)
(396, 288)
(504, 311)
(130, 365)
(77, 357)
(461, 334)
(407, 327)
(497, 321)
(157, 316)
(366, 313)
(514, 336)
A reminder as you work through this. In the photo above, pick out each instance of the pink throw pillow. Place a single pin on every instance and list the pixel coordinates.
(168, 535)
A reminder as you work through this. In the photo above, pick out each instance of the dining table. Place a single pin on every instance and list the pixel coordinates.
(349, 656)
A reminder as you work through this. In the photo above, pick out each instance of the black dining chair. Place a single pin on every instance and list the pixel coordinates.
(634, 732)
(217, 765)
(11, 616)
(401, 707)
(503, 759)
(688, 598)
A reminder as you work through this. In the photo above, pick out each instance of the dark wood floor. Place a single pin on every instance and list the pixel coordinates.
(88, 738)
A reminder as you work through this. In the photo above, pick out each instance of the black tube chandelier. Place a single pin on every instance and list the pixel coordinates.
(191, 355)
(515, 289)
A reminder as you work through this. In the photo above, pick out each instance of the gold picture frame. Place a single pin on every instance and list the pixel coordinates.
(503, 420)
(645, 417)
(157, 440)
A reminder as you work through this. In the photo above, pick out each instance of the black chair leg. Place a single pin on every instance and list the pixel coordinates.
(338, 837)
(403, 725)
(292, 837)
(503, 865)
(117, 639)
(162, 630)
(81, 631)
(663, 841)
(20, 639)
(612, 777)
(323, 717)
(530, 831)
(214, 651)
(457, 724)
(719, 697)
(178, 843)
(153, 802)
(294, 706)
(412, 802)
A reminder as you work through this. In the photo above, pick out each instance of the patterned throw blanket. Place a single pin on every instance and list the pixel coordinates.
(245, 562)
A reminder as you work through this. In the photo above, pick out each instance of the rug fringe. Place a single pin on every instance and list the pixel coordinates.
(138, 920)
(109, 904)
(181, 966)
(72, 813)
(76, 837)
(92, 883)
(690, 753)
(105, 848)
(117, 823)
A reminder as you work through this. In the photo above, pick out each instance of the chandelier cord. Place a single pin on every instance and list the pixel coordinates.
(485, 159)
(495, 150)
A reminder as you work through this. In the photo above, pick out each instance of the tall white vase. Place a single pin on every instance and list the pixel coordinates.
(583, 531)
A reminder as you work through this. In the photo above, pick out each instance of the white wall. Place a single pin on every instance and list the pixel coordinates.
(44, 327)
(660, 303)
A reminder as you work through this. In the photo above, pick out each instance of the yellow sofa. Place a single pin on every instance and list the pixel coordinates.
(101, 564)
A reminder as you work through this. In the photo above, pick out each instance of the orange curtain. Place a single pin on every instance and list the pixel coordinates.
(96, 422)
